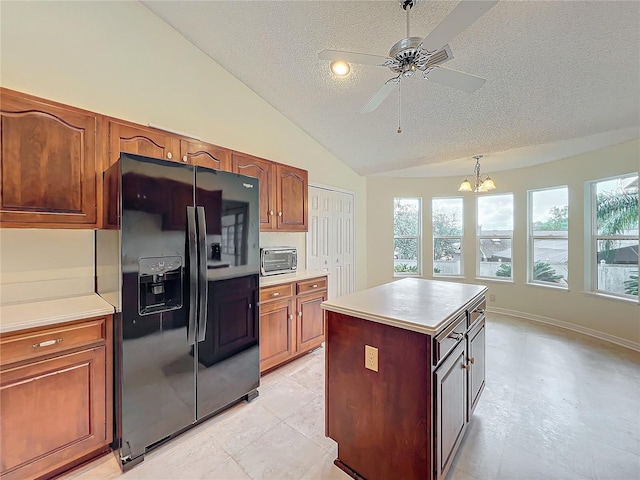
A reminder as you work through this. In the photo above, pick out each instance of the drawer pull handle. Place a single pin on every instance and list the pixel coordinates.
(480, 310)
(48, 343)
(315, 285)
(456, 336)
(276, 294)
(466, 367)
(472, 359)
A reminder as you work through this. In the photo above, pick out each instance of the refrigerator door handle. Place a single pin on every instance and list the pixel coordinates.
(193, 275)
(202, 284)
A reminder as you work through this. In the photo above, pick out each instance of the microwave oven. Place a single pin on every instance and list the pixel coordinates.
(275, 260)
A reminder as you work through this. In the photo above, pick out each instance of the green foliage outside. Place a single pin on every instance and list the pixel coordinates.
(504, 270)
(404, 268)
(617, 212)
(559, 220)
(405, 222)
(436, 270)
(543, 272)
(446, 224)
(631, 285)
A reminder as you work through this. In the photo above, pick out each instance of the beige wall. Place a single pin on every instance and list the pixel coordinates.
(120, 59)
(612, 317)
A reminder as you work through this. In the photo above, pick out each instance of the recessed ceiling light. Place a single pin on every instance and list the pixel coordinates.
(340, 68)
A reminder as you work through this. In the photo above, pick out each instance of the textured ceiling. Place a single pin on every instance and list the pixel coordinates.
(563, 77)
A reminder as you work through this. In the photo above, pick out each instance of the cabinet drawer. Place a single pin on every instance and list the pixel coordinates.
(477, 311)
(311, 285)
(276, 292)
(449, 338)
(14, 348)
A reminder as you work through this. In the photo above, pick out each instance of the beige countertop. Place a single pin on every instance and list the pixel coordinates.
(39, 314)
(416, 304)
(291, 277)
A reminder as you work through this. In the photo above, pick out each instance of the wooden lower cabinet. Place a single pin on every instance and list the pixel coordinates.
(56, 405)
(477, 371)
(287, 332)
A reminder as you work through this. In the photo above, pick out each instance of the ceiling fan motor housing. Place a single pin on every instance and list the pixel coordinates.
(407, 56)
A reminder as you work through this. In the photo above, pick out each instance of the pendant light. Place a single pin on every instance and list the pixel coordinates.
(480, 185)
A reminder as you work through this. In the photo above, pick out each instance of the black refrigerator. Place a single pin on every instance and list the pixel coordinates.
(178, 257)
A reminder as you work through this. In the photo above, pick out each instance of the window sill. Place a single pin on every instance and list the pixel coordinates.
(630, 301)
(493, 279)
(451, 276)
(402, 275)
(548, 286)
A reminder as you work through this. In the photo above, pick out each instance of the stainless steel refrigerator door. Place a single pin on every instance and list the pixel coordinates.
(158, 314)
(228, 234)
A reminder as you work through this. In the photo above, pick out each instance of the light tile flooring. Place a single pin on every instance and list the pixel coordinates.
(557, 405)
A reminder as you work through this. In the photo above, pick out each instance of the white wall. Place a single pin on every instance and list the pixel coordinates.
(612, 317)
(120, 59)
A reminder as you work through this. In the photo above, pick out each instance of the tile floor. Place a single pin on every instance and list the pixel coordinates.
(557, 405)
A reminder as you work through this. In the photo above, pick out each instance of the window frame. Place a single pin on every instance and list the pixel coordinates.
(591, 250)
(531, 240)
(448, 237)
(418, 238)
(480, 237)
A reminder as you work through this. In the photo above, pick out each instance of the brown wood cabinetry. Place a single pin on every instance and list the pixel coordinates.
(125, 137)
(205, 155)
(415, 412)
(48, 157)
(285, 332)
(283, 192)
(56, 397)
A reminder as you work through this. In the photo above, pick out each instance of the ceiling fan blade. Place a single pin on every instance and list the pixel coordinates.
(351, 57)
(379, 97)
(454, 78)
(463, 15)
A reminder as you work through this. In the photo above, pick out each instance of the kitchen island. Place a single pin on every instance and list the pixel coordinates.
(404, 371)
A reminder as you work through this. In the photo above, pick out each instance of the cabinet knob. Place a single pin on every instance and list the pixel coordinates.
(472, 359)
(279, 214)
(300, 313)
(315, 285)
(466, 367)
(276, 294)
(169, 155)
(290, 317)
(271, 212)
(184, 159)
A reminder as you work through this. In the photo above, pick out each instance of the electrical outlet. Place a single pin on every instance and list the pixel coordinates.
(492, 298)
(371, 358)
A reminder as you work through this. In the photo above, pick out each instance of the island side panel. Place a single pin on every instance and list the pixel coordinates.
(381, 420)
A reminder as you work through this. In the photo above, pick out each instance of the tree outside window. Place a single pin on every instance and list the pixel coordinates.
(447, 235)
(495, 235)
(407, 232)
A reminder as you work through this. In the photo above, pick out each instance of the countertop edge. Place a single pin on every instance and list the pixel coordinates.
(393, 322)
(271, 280)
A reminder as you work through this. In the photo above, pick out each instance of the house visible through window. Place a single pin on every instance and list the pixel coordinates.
(407, 232)
(549, 236)
(495, 236)
(614, 239)
(447, 235)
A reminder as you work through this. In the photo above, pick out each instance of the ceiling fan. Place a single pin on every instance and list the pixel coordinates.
(413, 54)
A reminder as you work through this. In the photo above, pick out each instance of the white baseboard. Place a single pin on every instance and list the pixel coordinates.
(569, 326)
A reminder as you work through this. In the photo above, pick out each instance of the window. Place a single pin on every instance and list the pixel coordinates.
(447, 235)
(549, 236)
(495, 235)
(614, 238)
(407, 231)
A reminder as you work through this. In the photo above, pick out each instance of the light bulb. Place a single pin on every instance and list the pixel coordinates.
(340, 68)
(465, 186)
(488, 184)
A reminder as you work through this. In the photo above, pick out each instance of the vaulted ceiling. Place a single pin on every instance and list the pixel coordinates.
(563, 77)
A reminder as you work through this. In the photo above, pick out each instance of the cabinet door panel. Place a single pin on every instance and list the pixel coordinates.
(263, 171)
(277, 333)
(139, 141)
(47, 163)
(451, 407)
(477, 363)
(292, 193)
(205, 155)
(310, 321)
(53, 411)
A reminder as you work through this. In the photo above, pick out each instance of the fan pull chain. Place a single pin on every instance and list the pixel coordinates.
(399, 111)
(408, 10)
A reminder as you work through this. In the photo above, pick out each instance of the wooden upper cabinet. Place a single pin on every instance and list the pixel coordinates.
(205, 155)
(130, 138)
(292, 192)
(263, 170)
(47, 163)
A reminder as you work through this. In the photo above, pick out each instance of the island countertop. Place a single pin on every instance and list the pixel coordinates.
(416, 304)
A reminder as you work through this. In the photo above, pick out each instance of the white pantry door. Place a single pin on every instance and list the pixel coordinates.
(330, 241)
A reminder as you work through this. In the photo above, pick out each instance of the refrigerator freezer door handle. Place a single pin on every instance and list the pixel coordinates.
(193, 275)
(202, 284)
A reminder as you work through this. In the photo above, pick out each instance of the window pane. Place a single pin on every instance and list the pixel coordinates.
(495, 215)
(447, 216)
(405, 255)
(550, 259)
(618, 266)
(617, 206)
(495, 257)
(406, 216)
(446, 256)
(550, 211)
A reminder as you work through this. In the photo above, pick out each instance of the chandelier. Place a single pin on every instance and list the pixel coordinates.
(481, 185)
